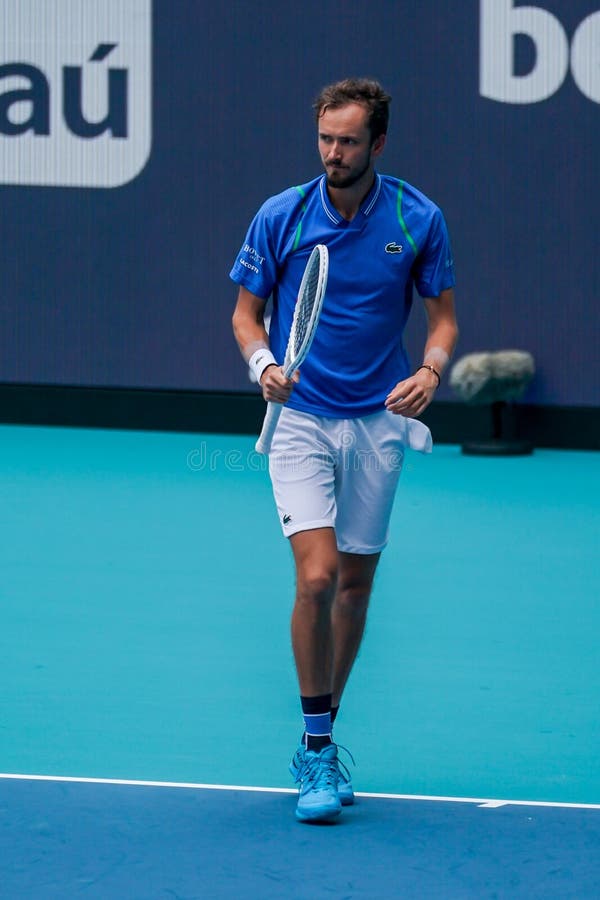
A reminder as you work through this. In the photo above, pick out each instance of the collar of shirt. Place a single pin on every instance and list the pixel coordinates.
(366, 206)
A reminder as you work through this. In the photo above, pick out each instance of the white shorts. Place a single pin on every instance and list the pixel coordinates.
(341, 473)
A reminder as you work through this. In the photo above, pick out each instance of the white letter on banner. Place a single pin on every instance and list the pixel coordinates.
(499, 23)
(585, 57)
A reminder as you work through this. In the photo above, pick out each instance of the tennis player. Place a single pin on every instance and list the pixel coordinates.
(352, 411)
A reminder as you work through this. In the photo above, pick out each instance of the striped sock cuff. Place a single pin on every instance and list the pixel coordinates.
(319, 724)
(317, 714)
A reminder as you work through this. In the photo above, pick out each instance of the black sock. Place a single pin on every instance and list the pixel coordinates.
(316, 742)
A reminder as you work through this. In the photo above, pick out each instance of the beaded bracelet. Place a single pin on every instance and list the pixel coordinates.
(431, 369)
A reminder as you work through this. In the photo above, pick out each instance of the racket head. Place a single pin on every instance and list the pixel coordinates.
(308, 308)
(304, 324)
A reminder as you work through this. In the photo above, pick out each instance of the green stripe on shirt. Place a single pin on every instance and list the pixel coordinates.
(299, 228)
(407, 233)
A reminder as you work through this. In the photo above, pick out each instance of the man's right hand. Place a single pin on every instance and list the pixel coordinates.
(275, 386)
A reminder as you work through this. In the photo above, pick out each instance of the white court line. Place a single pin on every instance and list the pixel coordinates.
(484, 803)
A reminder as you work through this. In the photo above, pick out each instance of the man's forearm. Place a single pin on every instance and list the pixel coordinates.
(442, 332)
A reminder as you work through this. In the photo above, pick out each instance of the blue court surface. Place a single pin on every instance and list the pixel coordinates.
(148, 704)
(101, 841)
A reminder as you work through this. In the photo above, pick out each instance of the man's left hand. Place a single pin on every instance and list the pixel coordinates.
(413, 395)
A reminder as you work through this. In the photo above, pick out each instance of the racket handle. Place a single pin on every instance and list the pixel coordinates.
(263, 444)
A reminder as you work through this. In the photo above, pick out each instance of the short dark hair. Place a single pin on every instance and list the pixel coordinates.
(365, 91)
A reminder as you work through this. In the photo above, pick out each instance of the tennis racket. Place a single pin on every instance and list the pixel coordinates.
(304, 324)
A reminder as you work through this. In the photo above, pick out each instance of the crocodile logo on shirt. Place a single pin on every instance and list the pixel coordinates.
(393, 247)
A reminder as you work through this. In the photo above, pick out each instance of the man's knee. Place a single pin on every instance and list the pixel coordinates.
(316, 558)
(355, 584)
(352, 600)
(316, 584)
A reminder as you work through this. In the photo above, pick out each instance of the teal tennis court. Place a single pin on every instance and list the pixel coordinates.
(145, 598)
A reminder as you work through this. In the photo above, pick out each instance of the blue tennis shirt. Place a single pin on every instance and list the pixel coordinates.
(397, 239)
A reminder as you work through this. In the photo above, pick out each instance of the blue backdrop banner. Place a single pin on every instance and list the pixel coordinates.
(137, 140)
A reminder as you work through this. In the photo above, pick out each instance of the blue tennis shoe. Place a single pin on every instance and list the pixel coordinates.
(344, 787)
(318, 800)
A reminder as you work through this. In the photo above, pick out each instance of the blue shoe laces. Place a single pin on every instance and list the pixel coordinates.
(319, 773)
(344, 770)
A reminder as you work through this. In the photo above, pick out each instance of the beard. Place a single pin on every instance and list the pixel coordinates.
(339, 179)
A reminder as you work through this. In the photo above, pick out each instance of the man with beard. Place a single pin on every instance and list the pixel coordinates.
(338, 448)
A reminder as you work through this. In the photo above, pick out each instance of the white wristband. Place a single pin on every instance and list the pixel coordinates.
(259, 361)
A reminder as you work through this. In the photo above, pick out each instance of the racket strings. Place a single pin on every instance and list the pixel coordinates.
(304, 324)
(303, 314)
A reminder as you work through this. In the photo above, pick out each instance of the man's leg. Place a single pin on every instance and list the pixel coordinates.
(316, 558)
(332, 598)
(349, 613)
(348, 616)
